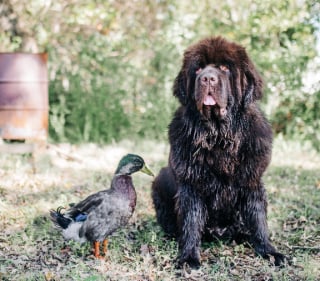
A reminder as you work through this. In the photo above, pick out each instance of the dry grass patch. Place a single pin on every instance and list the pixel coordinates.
(31, 249)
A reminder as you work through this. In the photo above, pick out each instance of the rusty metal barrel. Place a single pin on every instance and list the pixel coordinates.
(24, 102)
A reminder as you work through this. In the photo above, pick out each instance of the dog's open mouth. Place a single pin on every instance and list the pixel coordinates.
(210, 104)
(209, 100)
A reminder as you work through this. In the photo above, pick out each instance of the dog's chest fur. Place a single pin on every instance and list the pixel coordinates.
(203, 152)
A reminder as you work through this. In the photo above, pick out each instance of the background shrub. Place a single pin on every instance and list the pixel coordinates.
(112, 64)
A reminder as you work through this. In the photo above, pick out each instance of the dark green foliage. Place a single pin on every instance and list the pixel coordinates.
(107, 98)
(86, 101)
(299, 116)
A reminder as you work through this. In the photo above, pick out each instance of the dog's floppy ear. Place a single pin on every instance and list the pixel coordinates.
(179, 88)
(252, 83)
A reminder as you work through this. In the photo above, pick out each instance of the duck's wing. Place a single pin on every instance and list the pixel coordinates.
(84, 207)
(111, 214)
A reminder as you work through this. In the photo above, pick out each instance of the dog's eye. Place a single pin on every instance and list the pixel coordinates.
(224, 68)
(198, 71)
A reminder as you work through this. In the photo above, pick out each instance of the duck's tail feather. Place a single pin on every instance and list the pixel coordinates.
(59, 219)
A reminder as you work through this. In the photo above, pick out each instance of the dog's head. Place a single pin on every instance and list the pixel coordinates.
(217, 76)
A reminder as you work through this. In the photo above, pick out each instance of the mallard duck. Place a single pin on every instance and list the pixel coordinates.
(102, 213)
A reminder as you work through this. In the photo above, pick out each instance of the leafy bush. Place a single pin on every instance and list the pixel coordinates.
(299, 117)
(101, 98)
(87, 98)
(112, 64)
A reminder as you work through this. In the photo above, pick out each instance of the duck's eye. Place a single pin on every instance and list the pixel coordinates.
(224, 68)
(198, 71)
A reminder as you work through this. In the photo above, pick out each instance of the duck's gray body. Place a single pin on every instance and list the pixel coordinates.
(100, 214)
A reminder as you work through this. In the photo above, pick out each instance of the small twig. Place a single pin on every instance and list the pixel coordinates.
(57, 258)
(65, 154)
(304, 248)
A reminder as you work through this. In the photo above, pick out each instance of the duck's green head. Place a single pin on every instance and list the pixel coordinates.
(132, 163)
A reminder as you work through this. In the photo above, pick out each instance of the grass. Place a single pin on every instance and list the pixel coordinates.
(31, 249)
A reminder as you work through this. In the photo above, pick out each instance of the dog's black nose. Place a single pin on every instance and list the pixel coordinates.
(209, 77)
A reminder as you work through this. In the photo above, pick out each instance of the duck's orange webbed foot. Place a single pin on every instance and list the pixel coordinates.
(105, 246)
(96, 250)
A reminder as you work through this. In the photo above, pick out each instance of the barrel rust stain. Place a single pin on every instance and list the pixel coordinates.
(24, 101)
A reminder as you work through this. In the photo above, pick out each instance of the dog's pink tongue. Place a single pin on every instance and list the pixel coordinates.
(209, 100)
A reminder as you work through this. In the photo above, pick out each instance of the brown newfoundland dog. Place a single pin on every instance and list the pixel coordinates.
(220, 147)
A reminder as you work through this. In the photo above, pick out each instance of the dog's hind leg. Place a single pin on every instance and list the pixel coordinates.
(163, 195)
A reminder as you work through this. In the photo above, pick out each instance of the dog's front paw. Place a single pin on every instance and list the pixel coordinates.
(192, 258)
(271, 254)
(278, 258)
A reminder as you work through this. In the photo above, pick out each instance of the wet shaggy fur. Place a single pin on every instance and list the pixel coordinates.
(220, 146)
